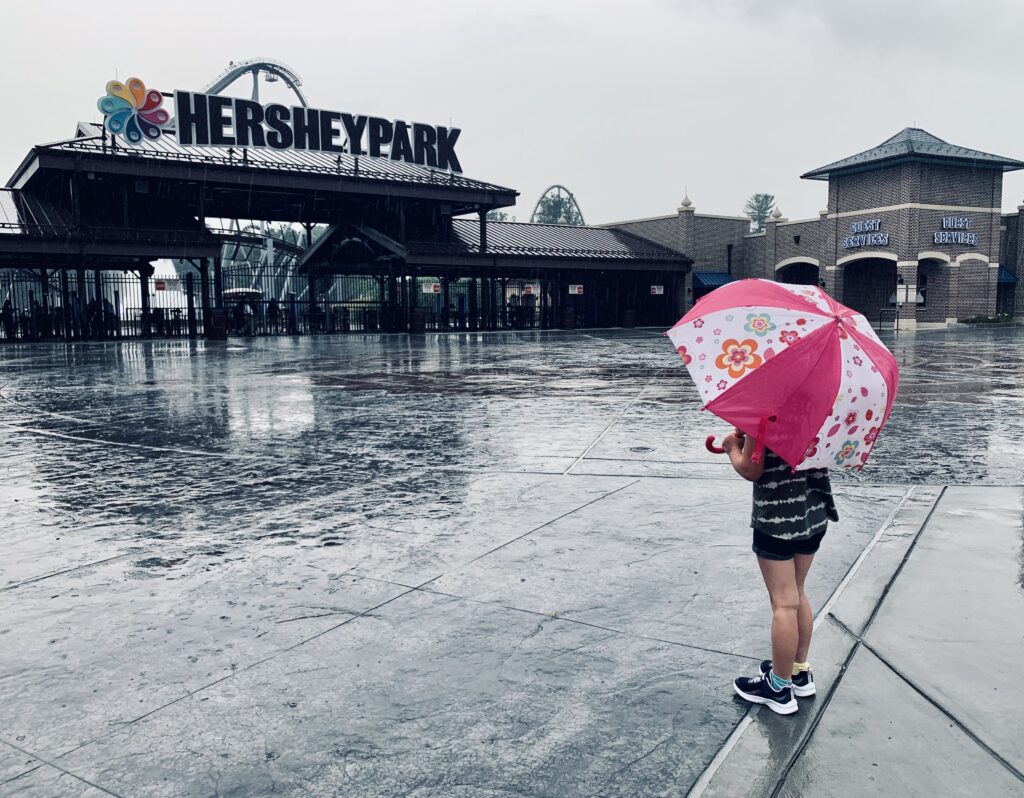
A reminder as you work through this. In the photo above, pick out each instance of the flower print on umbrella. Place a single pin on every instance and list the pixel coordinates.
(686, 356)
(812, 448)
(851, 418)
(871, 436)
(722, 385)
(857, 361)
(738, 357)
(760, 324)
(846, 452)
(789, 336)
(698, 323)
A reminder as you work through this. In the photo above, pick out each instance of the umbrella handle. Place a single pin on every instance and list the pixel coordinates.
(709, 444)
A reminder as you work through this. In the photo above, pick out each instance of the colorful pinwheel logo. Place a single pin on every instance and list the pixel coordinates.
(131, 112)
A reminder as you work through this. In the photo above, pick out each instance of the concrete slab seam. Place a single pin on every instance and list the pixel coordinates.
(614, 421)
(546, 523)
(946, 713)
(57, 767)
(858, 641)
(841, 587)
(132, 553)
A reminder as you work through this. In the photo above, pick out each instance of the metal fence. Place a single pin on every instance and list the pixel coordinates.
(87, 305)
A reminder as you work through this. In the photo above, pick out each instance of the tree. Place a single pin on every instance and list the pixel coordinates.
(557, 209)
(498, 216)
(758, 208)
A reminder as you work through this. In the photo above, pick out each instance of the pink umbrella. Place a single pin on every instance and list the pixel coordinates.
(806, 376)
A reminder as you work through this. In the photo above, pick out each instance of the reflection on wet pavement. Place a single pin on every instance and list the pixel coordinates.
(475, 509)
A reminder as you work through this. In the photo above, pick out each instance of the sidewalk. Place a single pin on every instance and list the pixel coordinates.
(917, 660)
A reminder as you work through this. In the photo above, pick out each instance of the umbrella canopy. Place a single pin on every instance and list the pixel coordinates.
(789, 365)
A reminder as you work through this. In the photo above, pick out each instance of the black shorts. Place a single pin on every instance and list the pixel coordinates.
(777, 549)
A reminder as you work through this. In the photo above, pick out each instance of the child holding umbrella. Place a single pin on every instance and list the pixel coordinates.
(791, 511)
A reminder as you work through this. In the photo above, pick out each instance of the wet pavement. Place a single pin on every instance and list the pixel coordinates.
(463, 565)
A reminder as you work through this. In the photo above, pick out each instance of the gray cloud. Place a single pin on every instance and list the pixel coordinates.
(626, 102)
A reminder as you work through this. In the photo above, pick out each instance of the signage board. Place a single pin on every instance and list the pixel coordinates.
(657, 290)
(134, 113)
(159, 285)
(575, 289)
(955, 230)
(432, 288)
(865, 233)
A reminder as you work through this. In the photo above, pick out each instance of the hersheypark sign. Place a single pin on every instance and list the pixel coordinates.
(135, 113)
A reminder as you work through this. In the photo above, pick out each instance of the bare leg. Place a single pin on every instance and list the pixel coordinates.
(805, 619)
(780, 579)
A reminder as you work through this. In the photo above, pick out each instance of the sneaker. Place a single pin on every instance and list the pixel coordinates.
(803, 682)
(758, 691)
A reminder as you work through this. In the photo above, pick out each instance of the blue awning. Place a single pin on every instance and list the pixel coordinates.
(1006, 277)
(711, 279)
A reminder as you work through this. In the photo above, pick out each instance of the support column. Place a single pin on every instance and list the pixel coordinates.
(771, 229)
(43, 325)
(503, 302)
(65, 306)
(473, 321)
(145, 272)
(190, 297)
(218, 283)
(953, 292)
(485, 303)
(97, 320)
(204, 293)
(907, 312)
(393, 305)
(834, 283)
(445, 297)
(83, 307)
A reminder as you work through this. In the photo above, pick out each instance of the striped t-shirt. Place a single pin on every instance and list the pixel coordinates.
(792, 506)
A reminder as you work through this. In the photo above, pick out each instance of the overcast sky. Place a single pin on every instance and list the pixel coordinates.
(626, 103)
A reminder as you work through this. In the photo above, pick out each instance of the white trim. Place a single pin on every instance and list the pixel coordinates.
(972, 256)
(919, 205)
(782, 264)
(800, 221)
(906, 263)
(993, 265)
(933, 256)
(831, 268)
(865, 256)
(720, 216)
(636, 221)
(755, 235)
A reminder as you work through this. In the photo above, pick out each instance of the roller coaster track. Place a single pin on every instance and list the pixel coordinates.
(274, 70)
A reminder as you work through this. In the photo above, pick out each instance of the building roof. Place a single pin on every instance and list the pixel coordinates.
(90, 139)
(912, 143)
(712, 279)
(23, 214)
(549, 241)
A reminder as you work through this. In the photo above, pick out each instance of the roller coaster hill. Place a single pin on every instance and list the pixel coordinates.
(102, 238)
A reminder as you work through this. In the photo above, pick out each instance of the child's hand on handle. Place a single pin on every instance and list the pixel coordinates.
(734, 440)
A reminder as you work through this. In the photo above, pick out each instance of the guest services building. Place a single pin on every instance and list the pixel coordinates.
(913, 230)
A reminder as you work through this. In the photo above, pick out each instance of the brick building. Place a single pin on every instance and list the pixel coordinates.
(913, 227)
